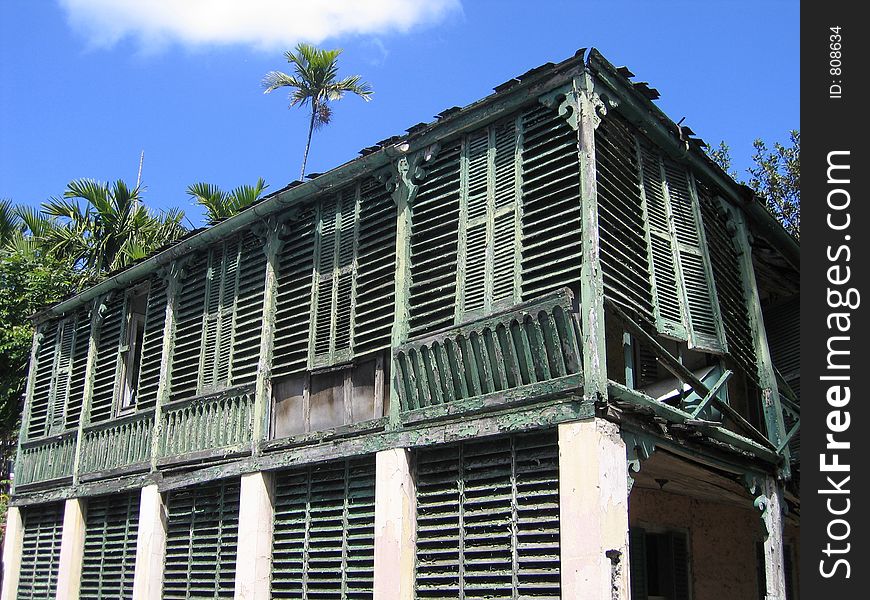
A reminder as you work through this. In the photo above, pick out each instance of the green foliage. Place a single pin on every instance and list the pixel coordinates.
(315, 83)
(220, 205)
(775, 176)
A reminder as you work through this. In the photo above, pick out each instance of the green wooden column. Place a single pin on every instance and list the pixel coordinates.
(771, 405)
(96, 319)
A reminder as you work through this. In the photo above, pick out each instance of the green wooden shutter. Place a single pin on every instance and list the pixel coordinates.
(326, 234)
(700, 296)
(78, 367)
(201, 541)
(663, 253)
(680, 552)
(229, 283)
(187, 349)
(293, 298)
(111, 331)
(637, 563)
(551, 226)
(473, 226)
(42, 382)
(40, 556)
(376, 268)
(488, 518)
(62, 370)
(622, 219)
(109, 558)
(434, 243)
(247, 325)
(152, 344)
(323, 540)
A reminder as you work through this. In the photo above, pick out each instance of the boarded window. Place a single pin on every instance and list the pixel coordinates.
(110, 547)
(40, 557)
(488, 518)
(659, 565)
(201, 541)
(323, 541)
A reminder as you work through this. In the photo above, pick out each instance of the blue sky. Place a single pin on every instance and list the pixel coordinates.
(86, 85)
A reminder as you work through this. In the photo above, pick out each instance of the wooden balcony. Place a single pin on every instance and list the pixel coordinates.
(123, 443)
(46, 459)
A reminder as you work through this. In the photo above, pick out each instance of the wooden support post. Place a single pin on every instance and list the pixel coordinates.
(254, 554)
(150, 545)
(591, 278)
(72, 549)
(774, 559)
(173, 277)
(13, 545)
(395, 525)
(593, 510)
(263, 389)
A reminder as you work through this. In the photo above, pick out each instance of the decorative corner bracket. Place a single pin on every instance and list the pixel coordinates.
(638, 447)
(767, 496)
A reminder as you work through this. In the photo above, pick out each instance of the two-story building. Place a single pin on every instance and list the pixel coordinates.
(541, 347)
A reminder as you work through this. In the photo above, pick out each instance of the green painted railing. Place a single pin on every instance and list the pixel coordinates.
(532, 346)
(122, 442)
(219, 421)
(46, 459)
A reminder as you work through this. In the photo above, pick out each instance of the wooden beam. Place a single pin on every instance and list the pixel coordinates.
(713, 391)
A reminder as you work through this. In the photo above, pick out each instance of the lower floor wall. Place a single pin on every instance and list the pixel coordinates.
(528, 515)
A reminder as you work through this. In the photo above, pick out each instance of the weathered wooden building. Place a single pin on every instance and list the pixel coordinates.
(541, 347)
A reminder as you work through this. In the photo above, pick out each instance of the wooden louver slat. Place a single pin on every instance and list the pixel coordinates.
(488, 518)
(40, 554)
(110, 547)
(323, 540)
(201, 541)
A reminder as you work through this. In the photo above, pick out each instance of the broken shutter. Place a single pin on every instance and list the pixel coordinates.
(110, 332)
(188, 328)
(42, 382)
(110, 547)
(622, 219)
(40, 555)
(488, 518)
(201, 541)
(551, 235)
(434, 243)
(293, 298)
(152, 344)
(323, 540)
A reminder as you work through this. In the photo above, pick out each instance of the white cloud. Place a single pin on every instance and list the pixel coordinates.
(263, 24)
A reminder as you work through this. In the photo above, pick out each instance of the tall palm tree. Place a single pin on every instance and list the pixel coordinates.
(220, 205)
(315, 82)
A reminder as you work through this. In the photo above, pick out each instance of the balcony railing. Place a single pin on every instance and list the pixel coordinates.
(222, 421)
(522, 354)
(123, 442)
(46, 459)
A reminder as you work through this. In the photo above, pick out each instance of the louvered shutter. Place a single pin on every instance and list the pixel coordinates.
(152, 344)
(293, 297)
(187, 348)
(376, 268)
(622, 219)
(201, 541)
(323, 540)
(476, 176)
(703, 309)
(328, 213)
(551, 226)
(229, 284)
(637, 563)
(109, 557)
(62, 368)
(211, 324)
(40, 554)
(78, 368)
(488, 518)
(680, 553)
(42, 383)
(669, 316)
(434, 243)
(248, 321)
(110, 334)
(345, 274)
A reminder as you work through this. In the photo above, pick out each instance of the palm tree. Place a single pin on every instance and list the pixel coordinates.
(220, 205)
(315, 82)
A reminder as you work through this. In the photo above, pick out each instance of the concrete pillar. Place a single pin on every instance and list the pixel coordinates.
(254, 557)
(72, 549)
(774, 559)
(13, 545)
(395, 525)
(593, 510)
(150, 545)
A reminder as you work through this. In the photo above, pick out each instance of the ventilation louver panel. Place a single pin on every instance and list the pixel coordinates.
(201, 541)
(376, 268)
(551, 224)
(152, 344)
(40, 555)
(323, 541)
(248, 323)
(434, 244)
(189, 328)
(622, 219)
(42, 382)
(293, 298)
(111, 328)
(488, 518)
(109, 558)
